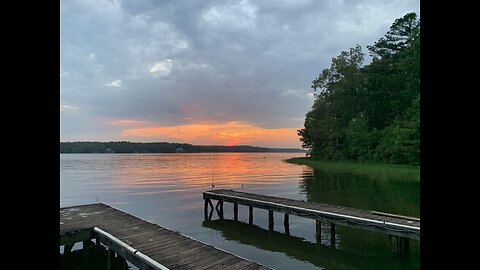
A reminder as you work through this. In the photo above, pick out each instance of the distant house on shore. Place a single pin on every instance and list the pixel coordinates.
(109, 150)
(180, 150)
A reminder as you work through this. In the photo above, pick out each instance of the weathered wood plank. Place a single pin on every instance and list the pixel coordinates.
(173, 247)
(394, 215)
(194, 248)
(196, 260)
(179, 258)
(242, 265)
(159, 245)
(212, 262)
(224, 265)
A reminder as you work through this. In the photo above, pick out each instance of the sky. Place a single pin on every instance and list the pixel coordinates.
(204, 72)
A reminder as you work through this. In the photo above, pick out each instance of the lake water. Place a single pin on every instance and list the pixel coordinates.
(166, 189)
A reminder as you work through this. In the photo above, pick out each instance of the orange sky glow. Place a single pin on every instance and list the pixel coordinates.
(230, 133)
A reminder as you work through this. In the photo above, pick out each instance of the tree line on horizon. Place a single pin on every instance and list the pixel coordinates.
(369, 112)
(159, 147)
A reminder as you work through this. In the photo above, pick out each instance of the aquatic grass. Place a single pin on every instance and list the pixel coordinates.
(375, 170)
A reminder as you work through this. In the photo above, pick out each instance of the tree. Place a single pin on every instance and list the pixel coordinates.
(400, 142)
(393, 77)
(337, 101)
(400, 37)
(366, 112)
(360, 141)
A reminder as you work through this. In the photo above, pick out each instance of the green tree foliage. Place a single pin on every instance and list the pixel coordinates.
(369, 112)
(336, 102)
(360, 141)
(400, 142)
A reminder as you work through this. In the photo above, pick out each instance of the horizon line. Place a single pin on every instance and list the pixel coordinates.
(184, 143)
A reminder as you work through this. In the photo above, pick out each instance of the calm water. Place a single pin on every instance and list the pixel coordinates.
(166, 189)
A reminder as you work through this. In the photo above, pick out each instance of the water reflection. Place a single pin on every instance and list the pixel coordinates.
(361, 191)
(166, 189)
(225, 170)
(158, 174)
(318, 254)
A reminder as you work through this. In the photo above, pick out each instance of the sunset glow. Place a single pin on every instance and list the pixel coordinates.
(223, 169)
(230, 133)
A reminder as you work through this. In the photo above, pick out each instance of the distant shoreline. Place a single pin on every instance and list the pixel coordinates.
(123, 147)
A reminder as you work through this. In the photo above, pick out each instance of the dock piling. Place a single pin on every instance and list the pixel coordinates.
(332, 235)
(235, 211)
(399, 245)
(286, 224)
(110, 258)
(318, 225)
(219, 209)
(250, 215)
(206, 209)
(270, 220)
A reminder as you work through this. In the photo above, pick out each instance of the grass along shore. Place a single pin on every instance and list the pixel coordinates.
(377, 170)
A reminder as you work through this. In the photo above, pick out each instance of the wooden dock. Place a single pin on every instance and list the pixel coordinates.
(399, 228)
(301, 249)
(144, 244)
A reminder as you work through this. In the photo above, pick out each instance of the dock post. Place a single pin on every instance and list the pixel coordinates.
(219, 209)
(270, 220)
(394, 243)
(123, 263)
(67, 249)
(397, 244)
(87, 244)
(332, 235)
(406, 245)
(206, 209)
(235, 211)
(400, 245)
(286, 224)
(318, 225)
(250, 215)
(110, 258)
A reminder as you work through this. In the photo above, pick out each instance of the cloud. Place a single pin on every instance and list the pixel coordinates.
(162, 68)
(115, 83)
(237, 14)
(193, 62)
(129, 122)
(66, 108)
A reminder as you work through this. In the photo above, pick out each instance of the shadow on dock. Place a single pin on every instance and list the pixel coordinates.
(95, 257)
(318, 254)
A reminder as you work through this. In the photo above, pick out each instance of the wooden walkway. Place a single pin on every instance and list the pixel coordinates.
(144, 244)
(398, 227)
